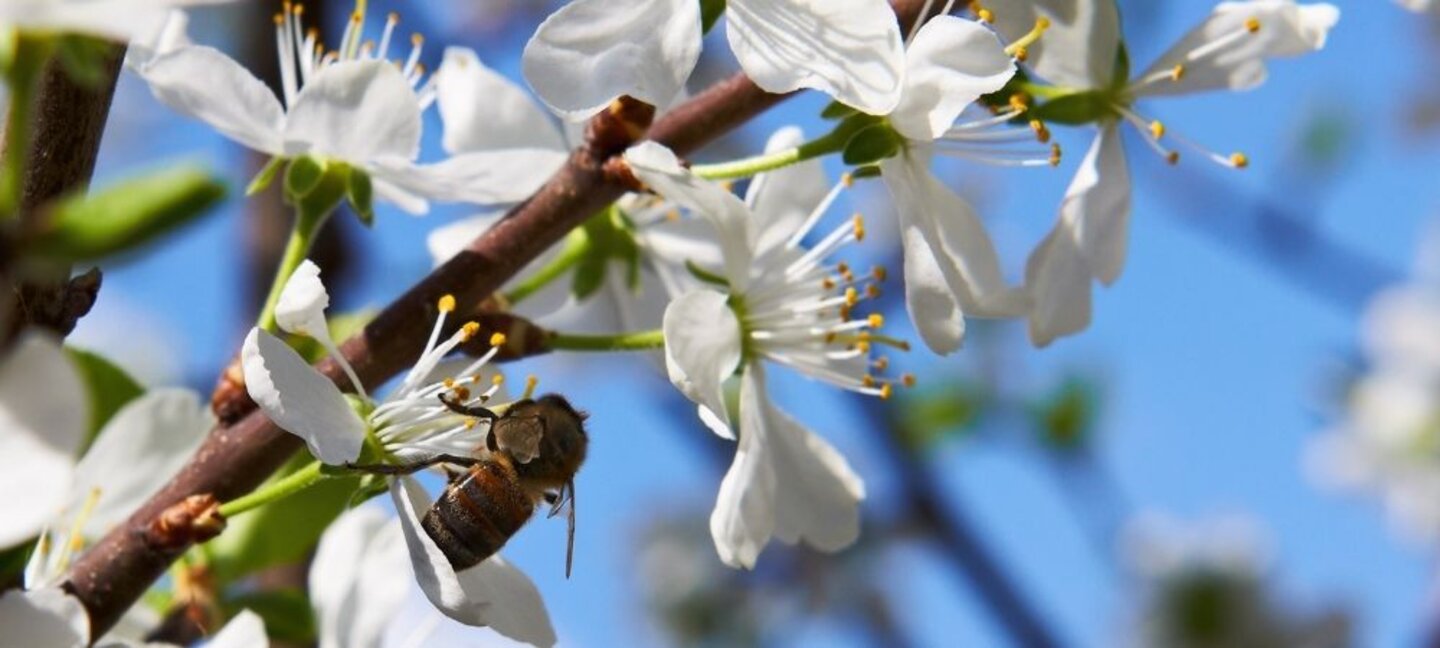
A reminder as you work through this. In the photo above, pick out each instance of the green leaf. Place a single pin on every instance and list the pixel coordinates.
(1075, 108)
(362, 195)
(287, 613)
(282, 532)
(108, 386)
(710, 12)
(837, 110)
(302, 176)
(872, 144)
(262, 180)
(125, 216)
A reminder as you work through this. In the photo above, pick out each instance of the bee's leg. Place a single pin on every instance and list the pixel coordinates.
(478, 411)
(406, 469)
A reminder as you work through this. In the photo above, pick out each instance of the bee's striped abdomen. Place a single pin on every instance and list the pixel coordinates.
(476, 515)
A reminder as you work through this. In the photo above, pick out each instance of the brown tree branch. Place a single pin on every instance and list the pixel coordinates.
(234, 459)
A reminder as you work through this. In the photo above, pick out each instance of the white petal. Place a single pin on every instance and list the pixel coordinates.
(483, 110)
(138, 451)
(951, 62)
(933, 309)
(1399, 327)
(1286, 29)
(782, 199)
(480, 178)
(359, 580)
(163, 37)
(300, 399)
(1096, 206)
(658, 168)
(245, 630)
(592, 51)
(848, 49)
(355, 111)
(118, 20)
(1059, 283)
(515, 608)
(204, 83)
(817, 495)
(302, 304)
(958, 239)
(1079, 48)
(744, 515)
(702, 349)
(47, 618)
(492, 593)
(405, 199)
(43, 413)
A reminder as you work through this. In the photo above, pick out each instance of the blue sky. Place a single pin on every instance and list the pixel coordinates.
(1214, 365)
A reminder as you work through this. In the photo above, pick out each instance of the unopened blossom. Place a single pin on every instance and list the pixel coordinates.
(773, 301)
(118, 20)
(951, 267)
(1226, 51)
(351, 105)
(411, 423)
(592, 51)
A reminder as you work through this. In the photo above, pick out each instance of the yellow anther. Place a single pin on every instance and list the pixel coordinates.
(1157, 129)
(859, 227)
(881, 363)
(530, 383)
(471, 422)
(446, 303)
(878, 272)
(394, 17)
(672, 215)
(872, 291)
(852, 296)
(1021, 54)
(827, 283)
(1042, 132)
(1173, 157)
(462, 393)
(420, 69)
(830, 337)
(497, 379)
(1177, 72)
(863, 346)
(469, 330)
(875, 320)
(1019, 102)
(728, 185)
(847, 179)
(908, 380)
(416, 39)
(845, 313)
(449, 383)
(1018, 49)
(1252, 24)
(279, 19)
(497, 339)
(1239, 160)
(356, 17)
(886, 390)
(298, 9)
(1054, 155)
(868, 381)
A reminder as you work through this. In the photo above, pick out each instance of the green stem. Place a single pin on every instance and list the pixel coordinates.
(576, 246)
(23, 77)
(307, 223)
(832, 142)
(641, 341)
(1047, 92)
(313, 473)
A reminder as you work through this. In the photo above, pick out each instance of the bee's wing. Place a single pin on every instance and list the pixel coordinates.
(520, 436)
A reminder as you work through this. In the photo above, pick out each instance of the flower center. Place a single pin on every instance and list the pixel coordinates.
(302, 55)
(803, 314)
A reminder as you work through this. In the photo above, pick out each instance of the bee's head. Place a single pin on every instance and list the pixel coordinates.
(563, 446)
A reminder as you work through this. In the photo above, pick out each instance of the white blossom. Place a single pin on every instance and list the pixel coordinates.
(592, 51)
(350, 105)
(784, 304)
(1226, 51)
(410, 424)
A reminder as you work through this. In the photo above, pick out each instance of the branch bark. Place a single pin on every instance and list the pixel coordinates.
(234, 459)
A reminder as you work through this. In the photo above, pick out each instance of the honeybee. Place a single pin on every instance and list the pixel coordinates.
(535, 449)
